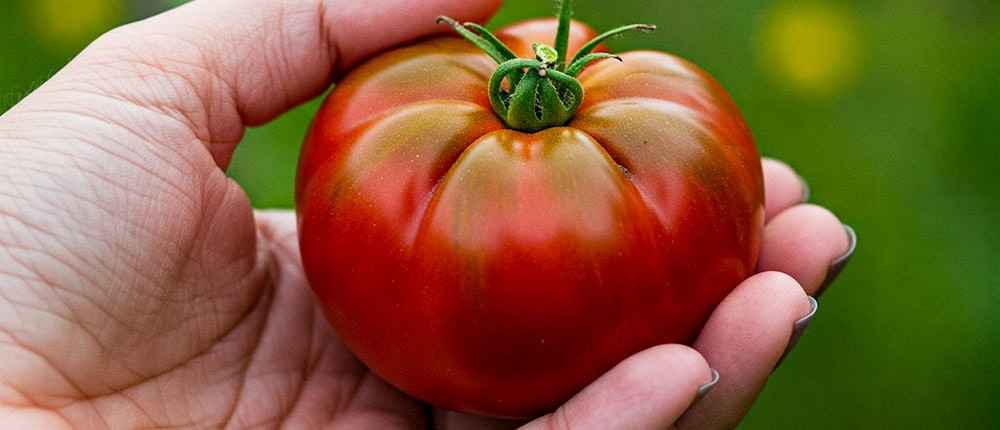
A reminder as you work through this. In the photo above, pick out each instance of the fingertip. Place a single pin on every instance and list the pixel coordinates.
(784, 188)
(769, 277)
(838, 264)
(744, 339)
(673, 360)
(770, 293)
(803, 242)
(782, 287)
(650, 389)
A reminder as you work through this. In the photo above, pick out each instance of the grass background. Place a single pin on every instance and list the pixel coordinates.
(890, 110)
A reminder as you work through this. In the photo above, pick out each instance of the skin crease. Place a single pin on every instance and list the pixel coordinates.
(139, 288)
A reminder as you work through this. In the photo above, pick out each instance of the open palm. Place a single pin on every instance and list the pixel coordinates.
(138, 287)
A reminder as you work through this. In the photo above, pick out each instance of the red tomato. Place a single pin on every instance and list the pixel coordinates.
(494, 271)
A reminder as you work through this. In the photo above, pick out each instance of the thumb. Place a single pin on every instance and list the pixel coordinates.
(218, 66)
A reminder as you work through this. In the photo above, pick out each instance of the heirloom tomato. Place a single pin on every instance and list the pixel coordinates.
(492, 239)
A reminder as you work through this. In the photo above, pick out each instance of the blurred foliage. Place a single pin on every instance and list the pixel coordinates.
(891, 110)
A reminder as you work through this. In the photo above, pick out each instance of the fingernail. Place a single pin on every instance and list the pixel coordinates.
(806, 192)
(838, 265)
(704, 389)
(797, 330)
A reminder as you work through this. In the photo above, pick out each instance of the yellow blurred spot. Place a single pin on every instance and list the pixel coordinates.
(71, 22)
(812, 48)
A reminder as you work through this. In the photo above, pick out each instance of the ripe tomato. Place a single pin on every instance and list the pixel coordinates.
(496, 271)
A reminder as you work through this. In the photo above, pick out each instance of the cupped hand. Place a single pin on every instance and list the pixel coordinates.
(139, 288)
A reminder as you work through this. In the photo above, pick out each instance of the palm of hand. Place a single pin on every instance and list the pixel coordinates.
(209, 321)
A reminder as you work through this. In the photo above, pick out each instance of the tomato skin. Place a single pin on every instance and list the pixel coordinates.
(498, 272)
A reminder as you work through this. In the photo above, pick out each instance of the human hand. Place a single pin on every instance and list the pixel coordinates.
(138, 287)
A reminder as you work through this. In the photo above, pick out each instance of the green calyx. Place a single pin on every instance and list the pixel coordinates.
(540, 92)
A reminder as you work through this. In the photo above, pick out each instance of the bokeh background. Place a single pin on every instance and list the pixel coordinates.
(889, 108)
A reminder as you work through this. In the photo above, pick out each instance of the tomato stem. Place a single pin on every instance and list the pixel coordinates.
(541, 92)
(562, 33)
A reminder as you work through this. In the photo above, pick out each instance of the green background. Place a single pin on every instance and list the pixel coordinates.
(888, 108)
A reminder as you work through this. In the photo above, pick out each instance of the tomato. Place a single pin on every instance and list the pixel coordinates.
(495, 271)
